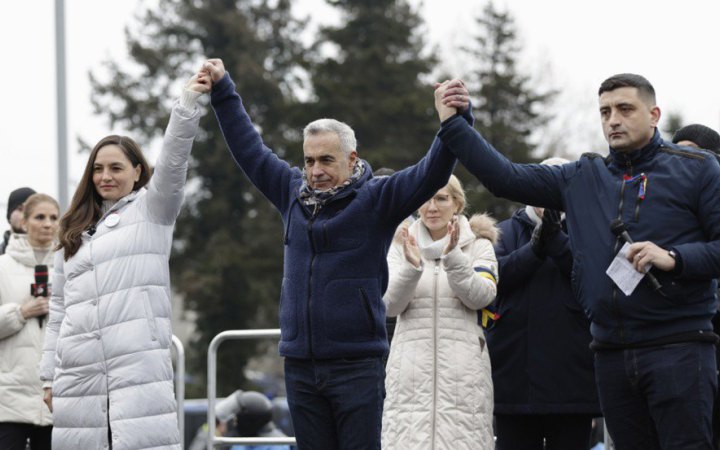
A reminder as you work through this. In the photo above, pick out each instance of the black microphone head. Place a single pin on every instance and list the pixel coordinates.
(41, 273)
(617, 227)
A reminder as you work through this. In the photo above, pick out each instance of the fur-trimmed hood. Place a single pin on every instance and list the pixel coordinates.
(485, 226)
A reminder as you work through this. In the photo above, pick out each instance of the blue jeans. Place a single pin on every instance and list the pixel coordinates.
(658, 397)
(337, 403)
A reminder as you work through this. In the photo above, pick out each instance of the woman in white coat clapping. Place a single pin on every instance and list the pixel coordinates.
(106, 360)
(439, 385)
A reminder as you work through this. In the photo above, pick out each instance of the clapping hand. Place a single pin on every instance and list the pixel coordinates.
(411, 249)
(551, 222)
(545, 230)
(453, 233)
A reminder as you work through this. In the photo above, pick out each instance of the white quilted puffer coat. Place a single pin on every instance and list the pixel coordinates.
(439, 384)
(107, 346)
(21, 340)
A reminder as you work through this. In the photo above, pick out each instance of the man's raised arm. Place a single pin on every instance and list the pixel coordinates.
(266, 171)
(404, 192)
(530, 184)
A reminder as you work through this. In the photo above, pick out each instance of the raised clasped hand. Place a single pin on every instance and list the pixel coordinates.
(200, 82)
(451, 97)
(215, 68)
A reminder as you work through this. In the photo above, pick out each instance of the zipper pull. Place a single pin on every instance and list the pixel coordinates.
(437, 266)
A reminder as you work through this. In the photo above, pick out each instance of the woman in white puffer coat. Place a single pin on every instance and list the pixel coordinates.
(439, 384)
(22, 317)
(106, 359)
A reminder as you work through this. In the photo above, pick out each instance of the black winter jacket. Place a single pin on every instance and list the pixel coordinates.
(539, 346)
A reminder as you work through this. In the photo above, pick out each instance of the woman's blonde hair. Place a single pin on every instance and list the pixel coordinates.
(36, 199)
(457, 192)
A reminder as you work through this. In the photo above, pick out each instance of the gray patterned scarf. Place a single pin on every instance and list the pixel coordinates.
(315, 197)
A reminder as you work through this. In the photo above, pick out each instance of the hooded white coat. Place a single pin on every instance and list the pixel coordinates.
(21, 340)
(107, 345)
(439, 384)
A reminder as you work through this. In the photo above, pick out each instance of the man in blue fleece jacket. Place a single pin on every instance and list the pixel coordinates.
(339, 223)
(654, 348)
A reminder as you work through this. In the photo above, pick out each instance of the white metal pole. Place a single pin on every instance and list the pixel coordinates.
(61, 104)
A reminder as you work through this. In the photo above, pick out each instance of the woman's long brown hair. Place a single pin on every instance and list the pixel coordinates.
(86, 203)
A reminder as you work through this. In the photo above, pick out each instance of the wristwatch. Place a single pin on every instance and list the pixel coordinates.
(672, 254)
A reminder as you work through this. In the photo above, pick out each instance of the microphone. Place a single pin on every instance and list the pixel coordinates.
(618, 229)
(40, 287)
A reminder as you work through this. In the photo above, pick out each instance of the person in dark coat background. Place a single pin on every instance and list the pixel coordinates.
(700, 136)
(542, 365)
(15, 214)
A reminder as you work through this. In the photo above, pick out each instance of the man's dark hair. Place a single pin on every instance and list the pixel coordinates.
(645, 89)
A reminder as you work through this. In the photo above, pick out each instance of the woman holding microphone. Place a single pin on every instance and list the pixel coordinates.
(22, 313)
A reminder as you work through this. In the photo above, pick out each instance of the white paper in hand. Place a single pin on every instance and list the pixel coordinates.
(623, 273)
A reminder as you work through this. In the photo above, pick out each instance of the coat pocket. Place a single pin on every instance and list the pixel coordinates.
(150, 316)
(351, 310)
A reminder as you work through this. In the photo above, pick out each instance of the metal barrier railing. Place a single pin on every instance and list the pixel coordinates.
(180, 386)
(213, 440)
(608, 442)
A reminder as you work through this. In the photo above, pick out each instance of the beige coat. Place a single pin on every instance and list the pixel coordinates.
(21, 394)
(439, 385)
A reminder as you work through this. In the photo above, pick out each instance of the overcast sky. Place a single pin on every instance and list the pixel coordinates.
(572, 45)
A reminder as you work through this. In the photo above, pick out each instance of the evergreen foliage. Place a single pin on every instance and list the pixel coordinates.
(507, 108)
(373, 80)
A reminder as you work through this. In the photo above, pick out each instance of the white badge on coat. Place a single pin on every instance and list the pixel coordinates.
(112, 220)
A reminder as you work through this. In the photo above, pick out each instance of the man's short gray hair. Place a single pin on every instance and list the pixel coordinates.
(348, 143)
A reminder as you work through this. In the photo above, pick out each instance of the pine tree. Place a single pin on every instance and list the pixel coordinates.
(372, 80)
(227, 255)
(507, 109)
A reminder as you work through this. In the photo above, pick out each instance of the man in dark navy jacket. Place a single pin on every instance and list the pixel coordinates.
(654, 360)
(339, 223)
